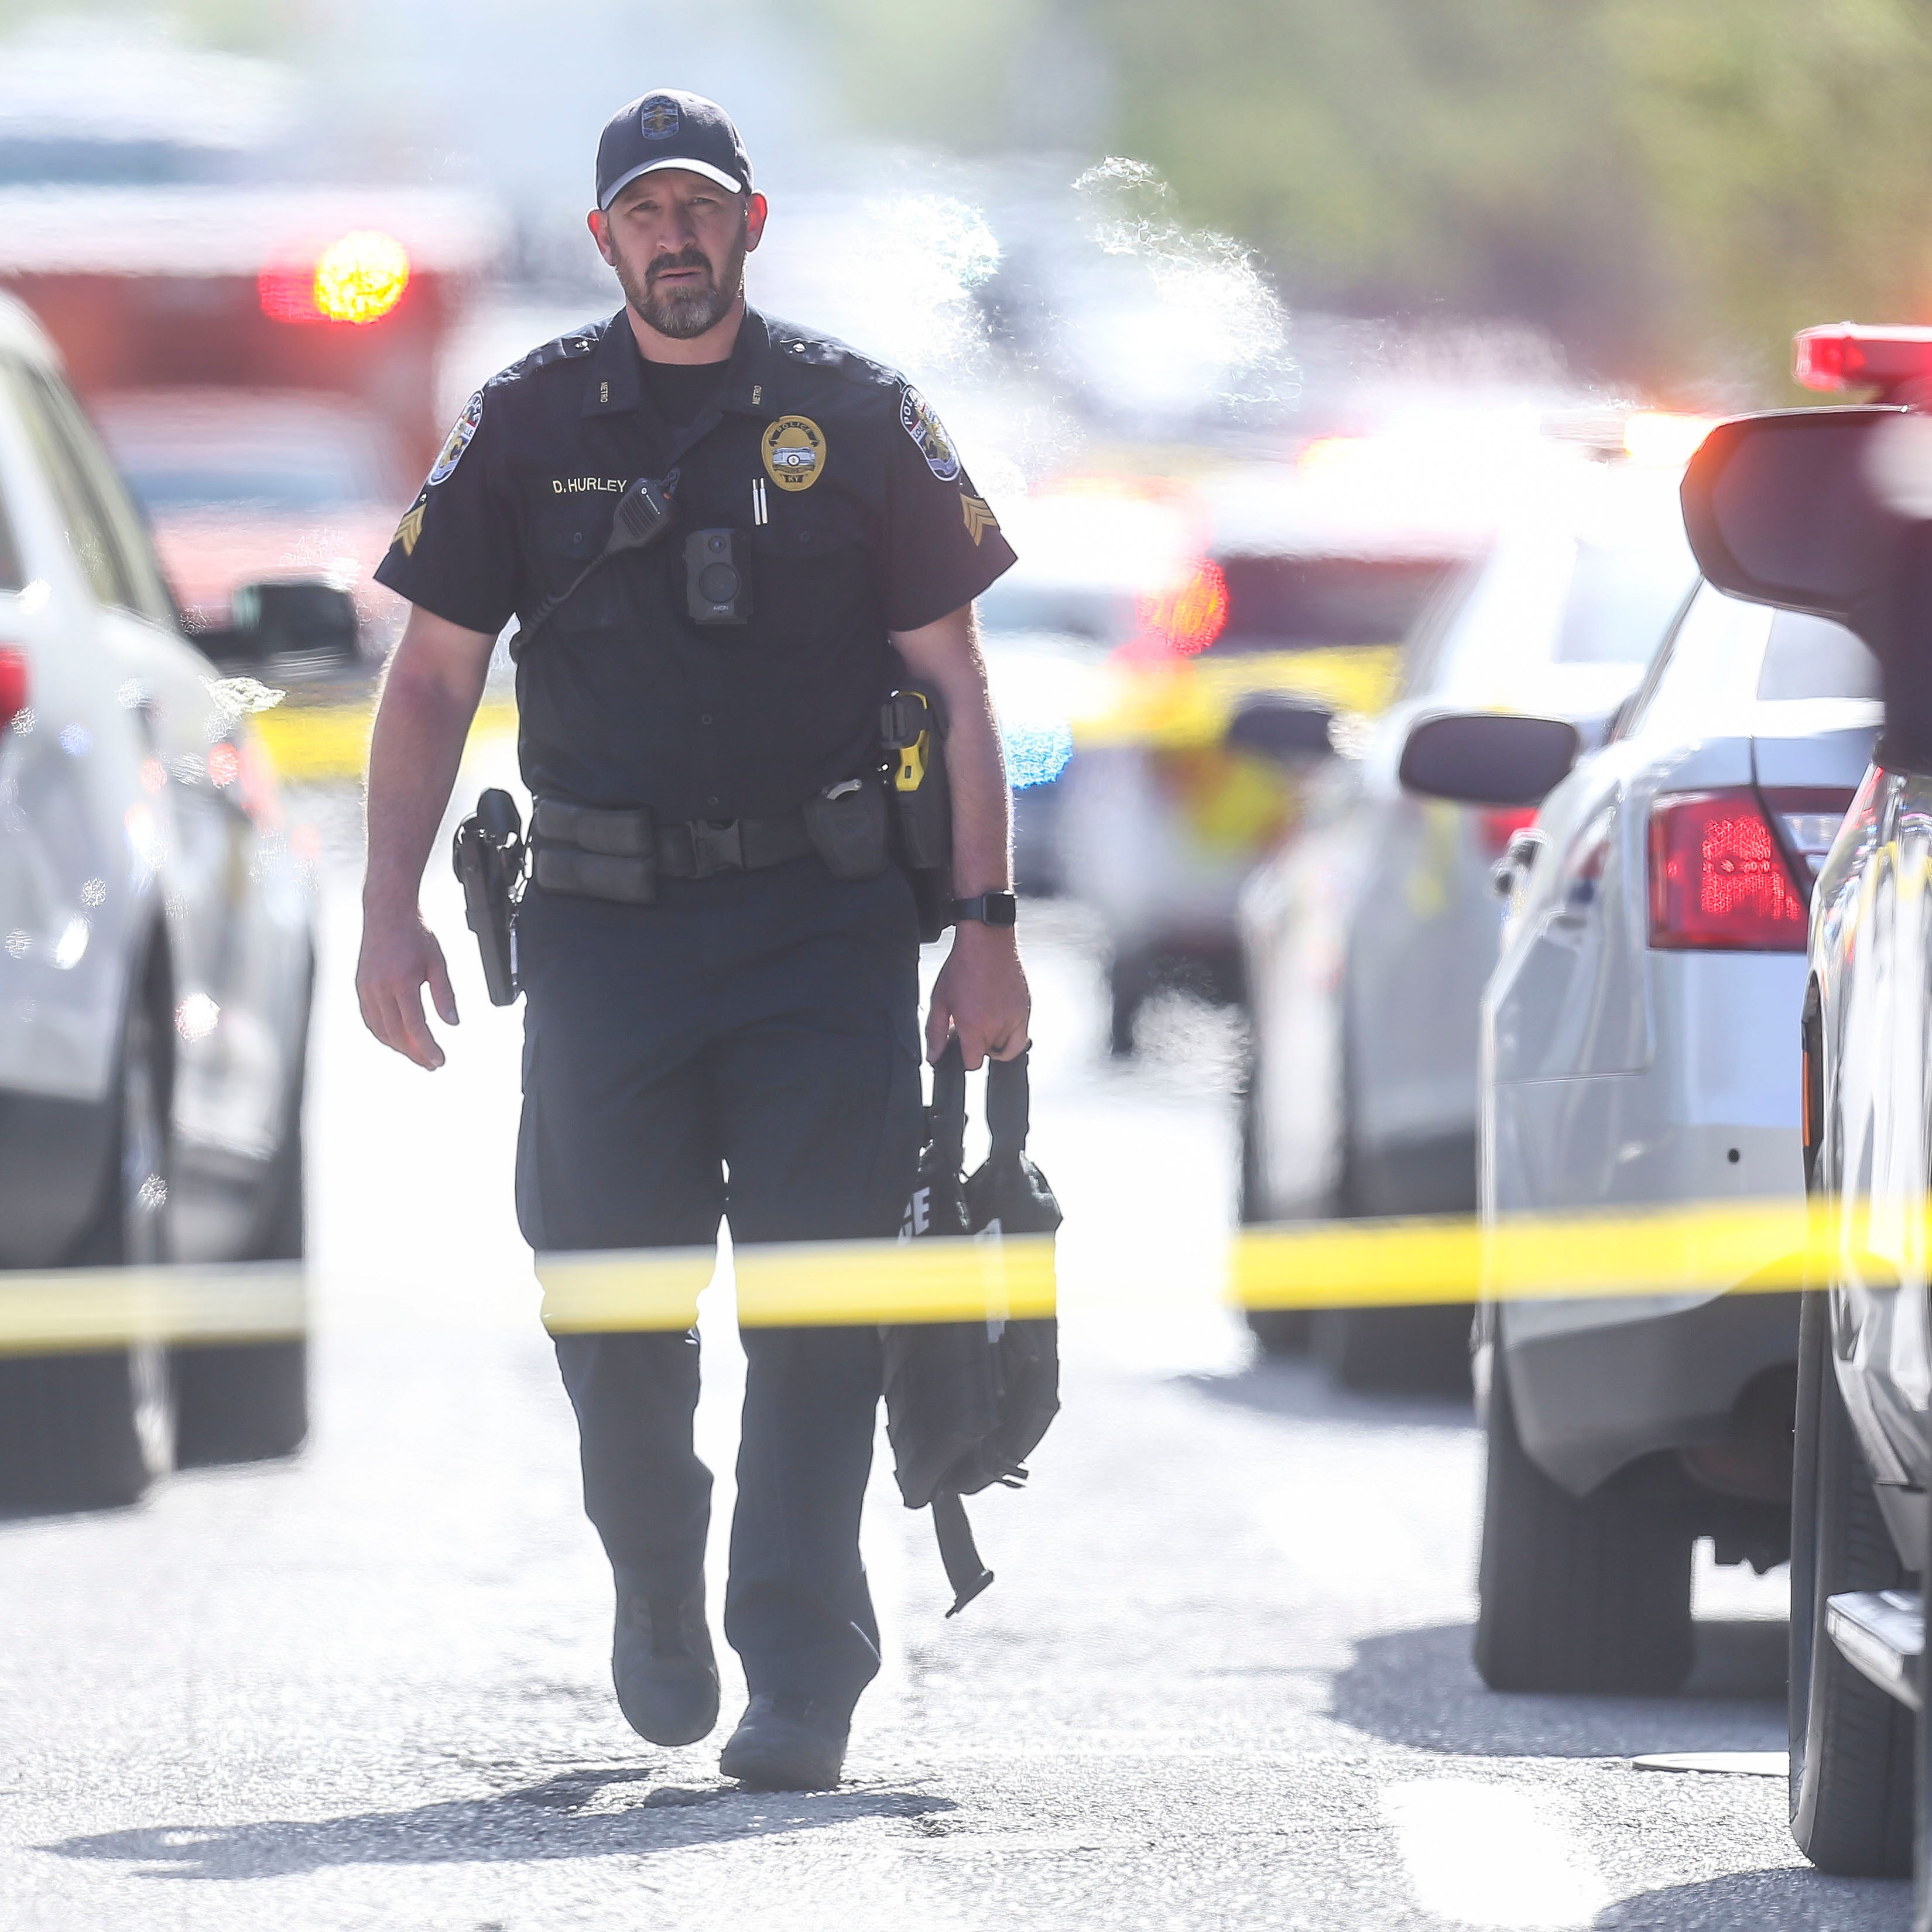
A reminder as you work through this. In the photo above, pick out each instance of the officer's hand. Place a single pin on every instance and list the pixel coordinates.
(400, 957)
(981, 994)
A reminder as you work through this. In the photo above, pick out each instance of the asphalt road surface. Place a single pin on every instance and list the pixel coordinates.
(1222, 1681)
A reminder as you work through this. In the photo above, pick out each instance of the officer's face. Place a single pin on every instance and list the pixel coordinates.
(678, 243)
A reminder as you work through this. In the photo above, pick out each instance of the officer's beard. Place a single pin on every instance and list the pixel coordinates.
(686, 310)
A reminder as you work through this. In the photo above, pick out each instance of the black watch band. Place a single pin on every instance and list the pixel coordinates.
(989, 908)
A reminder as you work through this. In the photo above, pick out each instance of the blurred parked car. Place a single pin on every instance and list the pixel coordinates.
(1368, 937)
(1655, 946)
(245, 486)
(1096, 556)
(1826, 511)
(156, 957)
(1307, 578)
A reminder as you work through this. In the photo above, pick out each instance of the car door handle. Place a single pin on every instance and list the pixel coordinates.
(1519, 855)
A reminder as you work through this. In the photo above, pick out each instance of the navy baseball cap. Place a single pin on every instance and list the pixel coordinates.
(668, 129)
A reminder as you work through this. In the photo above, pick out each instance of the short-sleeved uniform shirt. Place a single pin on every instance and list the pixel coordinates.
(851, 503)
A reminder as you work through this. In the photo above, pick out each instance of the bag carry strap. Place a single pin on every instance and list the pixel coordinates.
(1007, 1105)
(948, 1105)
(965, 1570)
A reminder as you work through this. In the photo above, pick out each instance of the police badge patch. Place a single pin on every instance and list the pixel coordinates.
(793, 449)
(458, 440)
(929, 435)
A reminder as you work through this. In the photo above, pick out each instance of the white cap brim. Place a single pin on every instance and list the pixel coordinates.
(690, 167)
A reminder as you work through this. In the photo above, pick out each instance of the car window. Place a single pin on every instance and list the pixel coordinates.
(138, 585)
(1621, 599)
(83, 527)
(12, 568)
(1545, 598)
(1813, 657)
(1102, 616)
(1428, 644)
(1303, 603)
(1710, 661)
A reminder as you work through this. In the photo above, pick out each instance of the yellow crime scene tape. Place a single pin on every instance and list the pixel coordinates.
(1726, 1247)
(313, 743)
(64, 1310)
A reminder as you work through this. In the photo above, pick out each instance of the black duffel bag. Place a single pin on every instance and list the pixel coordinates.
(968, 1402)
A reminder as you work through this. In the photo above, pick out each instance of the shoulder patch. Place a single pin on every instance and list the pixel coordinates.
(458, 440)
(929, 435)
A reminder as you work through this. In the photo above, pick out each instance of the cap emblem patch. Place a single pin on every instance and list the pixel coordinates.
(929, 435)
(793, 449)
(658, 120)
(458, 440)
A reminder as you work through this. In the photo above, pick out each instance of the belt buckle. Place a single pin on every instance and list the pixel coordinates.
(714, 848)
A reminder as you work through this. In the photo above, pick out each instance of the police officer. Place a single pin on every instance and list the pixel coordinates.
(719, 961)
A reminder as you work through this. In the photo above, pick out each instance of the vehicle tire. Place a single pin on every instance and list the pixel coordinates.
(1396, 1350)
(92, 1431)
(1853, 1746)
(248, 1402)
(1588, 1594)
(1280, 1331)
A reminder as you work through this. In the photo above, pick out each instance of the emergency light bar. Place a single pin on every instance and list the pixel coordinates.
(358, 279)
(1851, 356)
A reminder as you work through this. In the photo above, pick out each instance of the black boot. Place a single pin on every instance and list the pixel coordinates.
(662, 1662)
(784, 1742)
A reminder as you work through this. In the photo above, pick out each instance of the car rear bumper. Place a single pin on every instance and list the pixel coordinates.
(1655, 1375)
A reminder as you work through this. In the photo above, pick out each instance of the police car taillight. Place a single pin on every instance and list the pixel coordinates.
(1720, 881)
(1851, 356)
(14, 683)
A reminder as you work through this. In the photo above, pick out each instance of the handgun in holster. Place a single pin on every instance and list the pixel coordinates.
(912, 727)
(490, 856)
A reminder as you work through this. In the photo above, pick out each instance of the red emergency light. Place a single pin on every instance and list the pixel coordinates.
(358, 279)
(1852, 355)
(1190, 615)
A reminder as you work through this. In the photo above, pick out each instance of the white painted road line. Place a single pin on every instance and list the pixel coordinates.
(1491, 1855)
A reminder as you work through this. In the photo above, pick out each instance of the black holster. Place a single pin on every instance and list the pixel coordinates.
(912, 727)
(489, 854)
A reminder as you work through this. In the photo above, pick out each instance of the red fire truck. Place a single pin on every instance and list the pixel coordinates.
(263, 360)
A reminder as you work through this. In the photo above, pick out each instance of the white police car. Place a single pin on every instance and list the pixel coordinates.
(155, 958)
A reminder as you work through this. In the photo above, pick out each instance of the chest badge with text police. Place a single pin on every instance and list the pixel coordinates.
(793, 449)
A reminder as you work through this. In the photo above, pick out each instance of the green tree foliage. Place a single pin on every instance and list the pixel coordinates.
(1669, 188)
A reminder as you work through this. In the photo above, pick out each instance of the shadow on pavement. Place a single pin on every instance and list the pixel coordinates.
(581, 1814)
(1419, 1687)
(1303, 1393)
(1794, 1899)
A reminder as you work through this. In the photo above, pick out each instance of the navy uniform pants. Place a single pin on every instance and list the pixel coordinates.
(748, 1047)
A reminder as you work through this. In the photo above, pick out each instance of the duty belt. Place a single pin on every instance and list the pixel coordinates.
(622, 855)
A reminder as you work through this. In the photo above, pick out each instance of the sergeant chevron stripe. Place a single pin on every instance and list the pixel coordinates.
(409, 530)
(978, 514)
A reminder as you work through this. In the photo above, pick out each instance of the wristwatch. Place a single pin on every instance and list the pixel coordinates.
(989, 908)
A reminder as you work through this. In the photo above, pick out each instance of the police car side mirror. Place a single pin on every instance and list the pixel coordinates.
(1284, 729)
(298, 627)
(1780, 509)
(1488, 758)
